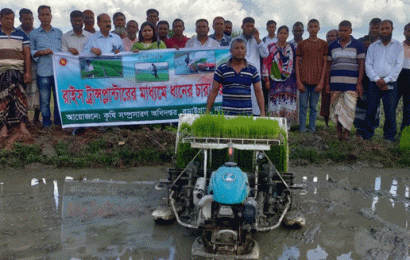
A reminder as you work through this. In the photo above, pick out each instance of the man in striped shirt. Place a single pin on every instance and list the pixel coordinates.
(346, 63)
(237, 77)
(15, 71)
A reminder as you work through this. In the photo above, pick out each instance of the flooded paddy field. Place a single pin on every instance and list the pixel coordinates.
(352, 212)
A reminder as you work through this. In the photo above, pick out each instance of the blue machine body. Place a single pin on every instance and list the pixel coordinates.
(229, 185)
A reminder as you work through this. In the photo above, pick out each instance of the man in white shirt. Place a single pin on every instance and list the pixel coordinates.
(74, 40)
(384, 62)
(255, 48)
(202, 40)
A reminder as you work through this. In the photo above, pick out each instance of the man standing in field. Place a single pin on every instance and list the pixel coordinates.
(202, 40)
(32, 93)
(132, 30)
(153, 16)
(346, 66)
(178, 40)
(103, 41)
(74, 40)
(237, 77)
(44, 41)
(311, 56)
(271, 37)
(228, 27)
(404, 79)
(163, 30)
(297, 31)
(255, 49)
(218, 35)
(384, 62)
(15, 71)
(119, 21)
(361, 106)
(154, 70)
(331, 36)
(89, 21)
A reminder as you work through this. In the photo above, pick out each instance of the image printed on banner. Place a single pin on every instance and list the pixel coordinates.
(191, 62)
(101, 67)
(151, 71)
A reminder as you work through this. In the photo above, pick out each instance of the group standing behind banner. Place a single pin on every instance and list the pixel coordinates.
(46, 40)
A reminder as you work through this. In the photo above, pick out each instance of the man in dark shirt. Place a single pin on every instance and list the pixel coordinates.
(361, 107)
(162, 30)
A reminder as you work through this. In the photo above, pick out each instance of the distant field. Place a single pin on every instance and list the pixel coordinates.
(144, 77)
(104, 69)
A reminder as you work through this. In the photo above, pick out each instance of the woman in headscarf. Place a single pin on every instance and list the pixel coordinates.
(279, 74)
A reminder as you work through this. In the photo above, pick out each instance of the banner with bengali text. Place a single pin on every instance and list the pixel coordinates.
(148, 87)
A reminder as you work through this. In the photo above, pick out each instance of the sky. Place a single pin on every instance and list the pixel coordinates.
(285, 12)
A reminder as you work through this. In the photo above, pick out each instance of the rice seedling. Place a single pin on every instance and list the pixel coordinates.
(208, 125)
(405, 139)
(236, 127)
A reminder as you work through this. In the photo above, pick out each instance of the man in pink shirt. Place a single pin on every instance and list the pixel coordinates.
(132, 30)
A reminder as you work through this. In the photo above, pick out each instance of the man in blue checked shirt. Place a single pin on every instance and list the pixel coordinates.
(44, 41)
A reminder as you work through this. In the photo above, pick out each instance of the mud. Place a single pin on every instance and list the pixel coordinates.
(352, 212)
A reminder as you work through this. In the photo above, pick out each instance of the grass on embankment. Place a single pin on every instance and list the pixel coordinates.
(130, 147)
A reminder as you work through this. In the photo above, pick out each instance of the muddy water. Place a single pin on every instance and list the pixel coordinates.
(352, 212)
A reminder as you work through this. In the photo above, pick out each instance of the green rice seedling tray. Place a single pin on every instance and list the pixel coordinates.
(243, 133)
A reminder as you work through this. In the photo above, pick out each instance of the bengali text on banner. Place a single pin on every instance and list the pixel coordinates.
(135, 88)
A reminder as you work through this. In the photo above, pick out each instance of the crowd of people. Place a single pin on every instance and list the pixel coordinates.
(271, 76)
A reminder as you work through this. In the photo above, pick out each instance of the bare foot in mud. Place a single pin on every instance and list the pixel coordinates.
(24, 130)
(3, 132)
(346, 135)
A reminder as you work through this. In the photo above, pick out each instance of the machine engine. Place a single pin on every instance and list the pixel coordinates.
(226, 201)
(229, 184)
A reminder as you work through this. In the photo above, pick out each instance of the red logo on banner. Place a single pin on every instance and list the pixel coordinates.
(63, 62)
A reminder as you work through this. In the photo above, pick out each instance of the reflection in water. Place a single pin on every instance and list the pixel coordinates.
(56, 193)
(290, 253)
(102, 221)
(399, 196)
(377, 184)
(393, 191)
(172, 252)
(111, 218)
(34, 182)
(317, 254)
(345, 256)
